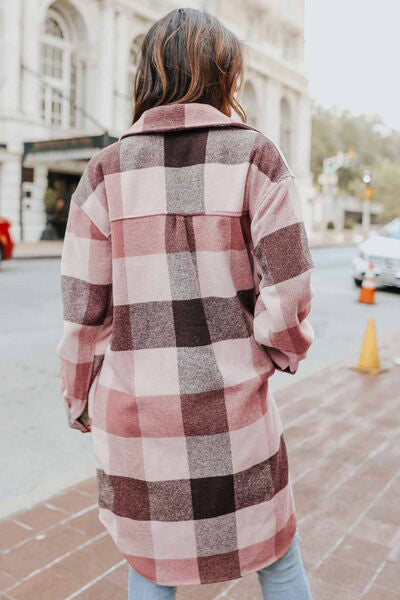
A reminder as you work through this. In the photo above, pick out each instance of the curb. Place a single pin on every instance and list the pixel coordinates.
(35, 256)
(343, 245)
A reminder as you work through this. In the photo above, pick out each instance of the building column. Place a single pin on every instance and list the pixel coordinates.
(11, 59)
(124, 36)
(34, 216)
(273, 94)
(31, 60)
(302, 150)
(10, 192)
(106, 66)
(303, 132)
(264, 108)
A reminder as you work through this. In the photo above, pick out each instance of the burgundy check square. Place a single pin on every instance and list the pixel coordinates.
(219, 567)
(125, 496)
(190, 321)
(211, 419)
(183, 149)
(212, 496)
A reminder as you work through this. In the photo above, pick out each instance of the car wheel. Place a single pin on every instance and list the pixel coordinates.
(358, 282)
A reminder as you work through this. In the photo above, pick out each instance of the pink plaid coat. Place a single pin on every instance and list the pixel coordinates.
(186, 283)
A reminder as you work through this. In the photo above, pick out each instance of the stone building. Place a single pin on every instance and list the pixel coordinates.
(67, 68)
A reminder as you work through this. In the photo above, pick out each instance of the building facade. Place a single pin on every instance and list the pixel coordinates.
(67, 70)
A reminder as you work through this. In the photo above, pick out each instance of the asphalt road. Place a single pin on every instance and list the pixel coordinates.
(39, 453)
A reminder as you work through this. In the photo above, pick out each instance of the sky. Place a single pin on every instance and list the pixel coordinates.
(353, 55)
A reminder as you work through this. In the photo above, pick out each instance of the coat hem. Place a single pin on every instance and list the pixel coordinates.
(254, 569)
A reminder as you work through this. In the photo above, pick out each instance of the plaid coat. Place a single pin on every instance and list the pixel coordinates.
(186, 283)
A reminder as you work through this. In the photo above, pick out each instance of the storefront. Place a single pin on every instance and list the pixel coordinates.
(51, 170)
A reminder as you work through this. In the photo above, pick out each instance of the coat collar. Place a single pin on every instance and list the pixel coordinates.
(177, 117)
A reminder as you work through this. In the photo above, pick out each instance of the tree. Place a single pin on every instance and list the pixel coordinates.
(387, 187)
(377, 148)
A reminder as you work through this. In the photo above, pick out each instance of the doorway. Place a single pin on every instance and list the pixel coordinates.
(57, 200)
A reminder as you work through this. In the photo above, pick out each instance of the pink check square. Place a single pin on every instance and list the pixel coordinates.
(173, 540)
(165, 458)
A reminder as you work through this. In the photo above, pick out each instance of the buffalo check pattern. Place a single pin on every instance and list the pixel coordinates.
(186, 283)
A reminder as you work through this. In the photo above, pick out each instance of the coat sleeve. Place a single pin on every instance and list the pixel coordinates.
(284, 266)
(86, 288)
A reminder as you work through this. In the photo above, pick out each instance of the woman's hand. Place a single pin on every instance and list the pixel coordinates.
(85, 420)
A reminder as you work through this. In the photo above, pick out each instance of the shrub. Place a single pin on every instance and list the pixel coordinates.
(348, 224)
(50, 199)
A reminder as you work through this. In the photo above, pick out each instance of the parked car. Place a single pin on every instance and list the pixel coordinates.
(382, 249)
(6, 242)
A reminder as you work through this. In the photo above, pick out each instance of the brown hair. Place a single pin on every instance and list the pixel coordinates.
(189, 56)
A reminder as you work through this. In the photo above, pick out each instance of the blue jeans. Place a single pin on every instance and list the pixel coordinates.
(285, 579)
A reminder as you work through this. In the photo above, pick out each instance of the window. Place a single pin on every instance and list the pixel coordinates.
(27, 174)
(60, 70)
(52, 28)
(133, 60)
(250, 104)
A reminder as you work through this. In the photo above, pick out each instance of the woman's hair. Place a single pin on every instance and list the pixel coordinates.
(189, 56)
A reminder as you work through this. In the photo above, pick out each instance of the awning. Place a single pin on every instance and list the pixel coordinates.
(72, 148)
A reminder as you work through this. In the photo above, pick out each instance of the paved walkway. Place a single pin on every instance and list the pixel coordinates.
(43, 249)
(342, 430)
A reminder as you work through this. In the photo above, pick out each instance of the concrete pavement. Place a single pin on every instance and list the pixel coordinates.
(32, 417)
(342, 430)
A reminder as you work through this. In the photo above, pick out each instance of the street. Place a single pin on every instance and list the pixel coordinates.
(40, 454)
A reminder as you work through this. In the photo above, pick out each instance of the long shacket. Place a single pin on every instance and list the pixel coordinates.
(186, 284)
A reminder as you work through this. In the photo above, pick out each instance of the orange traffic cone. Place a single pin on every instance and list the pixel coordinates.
(368, 286)
(369, 357)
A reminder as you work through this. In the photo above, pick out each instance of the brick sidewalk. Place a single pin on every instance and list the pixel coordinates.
(342, 431)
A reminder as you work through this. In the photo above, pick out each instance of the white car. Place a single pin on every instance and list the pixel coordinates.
(383, 251)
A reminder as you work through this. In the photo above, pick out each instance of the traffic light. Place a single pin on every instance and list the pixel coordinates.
(369, 191)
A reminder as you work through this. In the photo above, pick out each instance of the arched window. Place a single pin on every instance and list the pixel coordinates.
(249, 99)
(286, 129)
(52, 27)
(62, 72)
(134, 54)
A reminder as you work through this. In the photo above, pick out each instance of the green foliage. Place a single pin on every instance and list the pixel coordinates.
(387, 187)
(50, 199)
(377, 148)
(330, 225)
